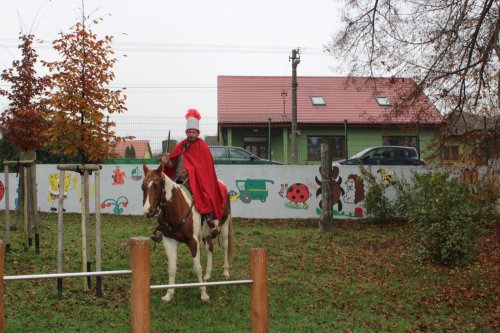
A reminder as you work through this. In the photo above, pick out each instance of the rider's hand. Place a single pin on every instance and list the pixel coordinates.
(165, 158)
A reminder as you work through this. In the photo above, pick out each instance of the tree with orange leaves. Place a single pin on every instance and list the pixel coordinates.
(24, 122)
(80, 94)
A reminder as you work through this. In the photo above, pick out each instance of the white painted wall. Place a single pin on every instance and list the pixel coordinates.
(121, 189)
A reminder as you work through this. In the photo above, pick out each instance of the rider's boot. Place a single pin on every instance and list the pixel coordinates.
(157, 236)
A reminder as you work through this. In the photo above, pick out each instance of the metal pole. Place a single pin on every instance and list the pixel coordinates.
(418, 141)
(345, 140)
(140, 290)
(258, 291)
(269, 140)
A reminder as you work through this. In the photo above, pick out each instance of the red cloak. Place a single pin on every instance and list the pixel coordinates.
(209, 194)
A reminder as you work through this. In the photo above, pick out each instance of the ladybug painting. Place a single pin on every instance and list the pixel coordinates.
(297, 193)
(2, 191)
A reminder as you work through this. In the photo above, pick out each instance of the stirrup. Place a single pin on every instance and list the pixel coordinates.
(157, 236)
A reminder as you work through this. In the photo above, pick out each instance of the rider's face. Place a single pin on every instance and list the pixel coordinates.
(192, 134)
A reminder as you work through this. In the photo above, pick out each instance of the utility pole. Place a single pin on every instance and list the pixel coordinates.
(295, 62)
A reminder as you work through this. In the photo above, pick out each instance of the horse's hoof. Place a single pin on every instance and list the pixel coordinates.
(205, 299)
(167, 298)
(226, 275)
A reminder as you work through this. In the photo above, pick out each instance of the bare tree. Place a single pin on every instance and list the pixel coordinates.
(450, 47)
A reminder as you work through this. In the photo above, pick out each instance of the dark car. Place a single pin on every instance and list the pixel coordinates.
(385, 155)
(236, 155)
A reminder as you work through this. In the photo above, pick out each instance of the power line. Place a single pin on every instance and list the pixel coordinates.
(187, 48)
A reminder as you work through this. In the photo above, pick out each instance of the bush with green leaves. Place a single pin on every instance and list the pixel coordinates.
(448, 220)
(377, 204)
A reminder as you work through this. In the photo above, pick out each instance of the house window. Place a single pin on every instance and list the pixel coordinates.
(449, 154)
(318, 101)
(409, 141)
(256, 145)
(314, 147)
(383, 101)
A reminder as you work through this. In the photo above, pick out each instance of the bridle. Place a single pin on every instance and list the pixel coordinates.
(163, 225)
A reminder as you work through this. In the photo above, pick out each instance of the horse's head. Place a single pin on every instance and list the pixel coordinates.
(153, 190)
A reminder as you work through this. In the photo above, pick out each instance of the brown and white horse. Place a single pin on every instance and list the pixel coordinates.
(180, 221)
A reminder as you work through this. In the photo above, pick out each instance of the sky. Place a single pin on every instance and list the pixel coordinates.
(171, 52)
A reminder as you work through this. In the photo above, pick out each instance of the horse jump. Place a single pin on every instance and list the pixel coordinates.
(180, 221)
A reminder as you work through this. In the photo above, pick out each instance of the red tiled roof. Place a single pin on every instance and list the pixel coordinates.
(141, 147)
(255, 99)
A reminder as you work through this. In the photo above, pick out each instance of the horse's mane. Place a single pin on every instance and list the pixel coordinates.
(184, 189)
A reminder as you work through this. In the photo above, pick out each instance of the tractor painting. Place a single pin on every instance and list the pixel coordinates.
(297, 194)
(253, 189)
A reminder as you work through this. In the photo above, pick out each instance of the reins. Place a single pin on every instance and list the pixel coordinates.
(163, 226)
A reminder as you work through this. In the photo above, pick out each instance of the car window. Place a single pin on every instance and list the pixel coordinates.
(237, 154)
(411, 152)
(375, 153)
(218, 153)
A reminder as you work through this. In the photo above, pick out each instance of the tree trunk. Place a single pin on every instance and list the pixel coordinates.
(326, 222)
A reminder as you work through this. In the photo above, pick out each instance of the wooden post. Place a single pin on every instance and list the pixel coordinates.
(325, 221)
(25, 208)
(7, 209)
(98, 248)
(258, 291)
(2, 315)
(86, 230)
(140, 292)
(34, 204)
(60, 223)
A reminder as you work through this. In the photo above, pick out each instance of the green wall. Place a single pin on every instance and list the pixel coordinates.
(357, 139)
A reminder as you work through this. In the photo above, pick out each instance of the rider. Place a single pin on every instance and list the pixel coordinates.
(191, 163)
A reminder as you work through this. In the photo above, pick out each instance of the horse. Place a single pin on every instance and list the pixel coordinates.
(180, 222)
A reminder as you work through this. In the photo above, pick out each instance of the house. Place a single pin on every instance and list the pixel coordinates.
(132, 149)
(470, 139)
(255, 112)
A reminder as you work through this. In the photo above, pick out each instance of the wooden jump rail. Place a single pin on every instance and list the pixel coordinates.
(140, 321)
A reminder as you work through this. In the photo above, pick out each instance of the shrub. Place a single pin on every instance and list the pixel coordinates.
(449, 222)
(377, 205)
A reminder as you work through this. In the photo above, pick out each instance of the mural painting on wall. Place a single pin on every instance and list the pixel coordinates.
(345, 198)
(118, 176)
(137, 174)
(297, 195)
(2, 190)
(388, 176)
(53, 194)
(250, 189)
(116, 204)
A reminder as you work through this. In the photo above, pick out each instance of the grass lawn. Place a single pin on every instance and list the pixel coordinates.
(359, 278)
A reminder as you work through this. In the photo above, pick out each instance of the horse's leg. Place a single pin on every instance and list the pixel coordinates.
(224, 239)
(209, 246)
(171, 250)
(194, 246)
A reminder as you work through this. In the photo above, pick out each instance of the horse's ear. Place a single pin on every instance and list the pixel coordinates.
(145, 168)
(161, 167)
